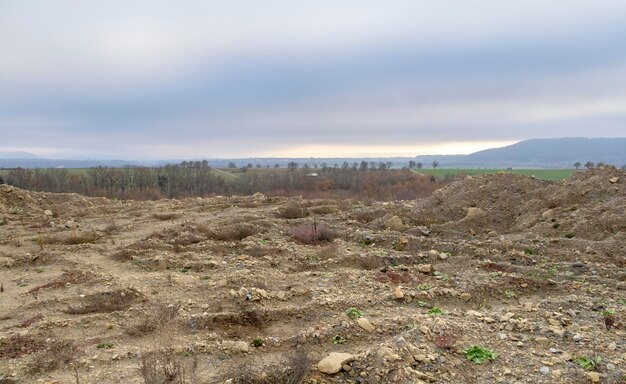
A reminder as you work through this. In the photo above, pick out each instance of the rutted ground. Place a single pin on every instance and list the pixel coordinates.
(254, 286)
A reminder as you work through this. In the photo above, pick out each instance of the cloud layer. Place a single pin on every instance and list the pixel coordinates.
(160, 79)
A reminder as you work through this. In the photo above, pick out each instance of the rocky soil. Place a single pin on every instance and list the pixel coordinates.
(284, 290)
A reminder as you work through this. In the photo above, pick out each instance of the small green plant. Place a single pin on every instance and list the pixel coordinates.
(622, 301)
(495, 275)
(477, 354)
(552, 271)
(105, 345)
(587, 362)
(338, 340)
(421, 303)
(424, 287)
(569, 235)
(608, 312)
(39, 270)
(510, 294)
(354, 313)
(435, 311)
(256, 343)
(530, 251)
(556, 225)
(445, 278)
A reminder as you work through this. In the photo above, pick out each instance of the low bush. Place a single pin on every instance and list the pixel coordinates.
(313, 232)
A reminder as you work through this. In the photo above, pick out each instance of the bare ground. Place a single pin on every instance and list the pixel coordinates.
(257, 289)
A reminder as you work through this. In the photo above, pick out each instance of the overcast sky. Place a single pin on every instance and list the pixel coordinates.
(189, 79)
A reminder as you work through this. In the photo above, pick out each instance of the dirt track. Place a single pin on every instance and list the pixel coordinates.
(532, 270)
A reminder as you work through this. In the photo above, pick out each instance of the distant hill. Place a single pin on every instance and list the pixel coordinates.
(17, 155)
(540, 153)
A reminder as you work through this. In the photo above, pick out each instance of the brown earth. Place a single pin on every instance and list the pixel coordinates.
(258, 290)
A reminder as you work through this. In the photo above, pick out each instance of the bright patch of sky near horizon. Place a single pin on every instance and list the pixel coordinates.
(160, 79)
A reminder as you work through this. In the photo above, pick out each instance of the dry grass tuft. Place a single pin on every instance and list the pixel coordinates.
(104, 302)
(158, 317)
(159, 367)
(293, 368)
(60, 354)
(164, 216)
(292, 211)
(73, 239)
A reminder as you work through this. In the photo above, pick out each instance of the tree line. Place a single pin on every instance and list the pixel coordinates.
(190, 179)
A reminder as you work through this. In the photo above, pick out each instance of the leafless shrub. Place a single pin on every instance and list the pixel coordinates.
(292, 211)
(61, 353)
(313, 232)
(111, 228)
(18, 345)
(104, 302)
(164, 216)
(159, 367)
(293, 368)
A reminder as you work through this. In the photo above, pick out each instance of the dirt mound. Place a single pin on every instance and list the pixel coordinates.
(589, 205)
(14, 200)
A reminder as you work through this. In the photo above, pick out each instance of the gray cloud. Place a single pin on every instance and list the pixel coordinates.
(157, 80)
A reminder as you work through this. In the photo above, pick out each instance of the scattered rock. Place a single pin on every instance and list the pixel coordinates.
(398, 293)
(425, 268)
(334, 362)
(365, 324)
(594, 377)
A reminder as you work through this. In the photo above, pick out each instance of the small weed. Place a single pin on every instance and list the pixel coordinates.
(552, 271)
(256, 343)
(338, 340)
(530, 251)
(39, 270)
(587, 362)
(421, 304)
(495, 275)
(435, 312)
(622, 302)
(105, 345)
(477, 354)
(424, 287)
(354, 313)
(510, 294)
(608, 312)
